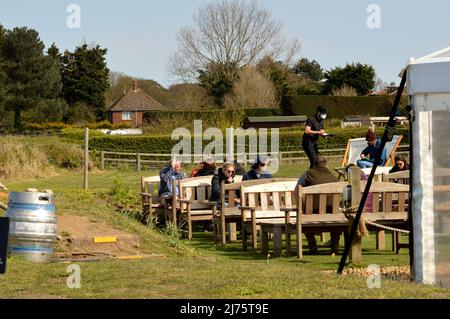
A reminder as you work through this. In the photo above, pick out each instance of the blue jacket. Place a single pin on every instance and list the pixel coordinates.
(253, 174)
(167, 175)
(371, 152)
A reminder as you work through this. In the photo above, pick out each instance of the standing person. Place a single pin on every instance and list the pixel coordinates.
(313, 130)
(259, 170)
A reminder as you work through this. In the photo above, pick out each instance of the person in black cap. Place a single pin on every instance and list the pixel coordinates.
(313, 130)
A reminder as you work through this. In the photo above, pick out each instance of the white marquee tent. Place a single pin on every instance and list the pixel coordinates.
(428, 86)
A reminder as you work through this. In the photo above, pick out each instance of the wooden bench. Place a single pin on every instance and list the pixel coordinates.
(264, 203)
(149, 194)
(383, 211)
(193, 201)
(401, 177)
(229, 214)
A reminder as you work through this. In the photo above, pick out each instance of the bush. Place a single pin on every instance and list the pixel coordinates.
(339, 106)
(22, 158)
(290, 140)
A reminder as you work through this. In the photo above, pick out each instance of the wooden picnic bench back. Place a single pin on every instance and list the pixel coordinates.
(149, 192)
(323, 195)
(269, 199)
(197, 190)
(394, 200)
(401, 177)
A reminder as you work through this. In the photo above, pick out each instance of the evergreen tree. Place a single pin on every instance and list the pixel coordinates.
(309, 69)
(85, 78)
(31, 76)
(359, 76)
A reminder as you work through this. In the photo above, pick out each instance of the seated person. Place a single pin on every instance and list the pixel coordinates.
(208, 168)
(400, 164)
(317, 175)
(259, 170)
(237, 167)
(195, 171)
(225, 174)
(369, 154)
(167, 175)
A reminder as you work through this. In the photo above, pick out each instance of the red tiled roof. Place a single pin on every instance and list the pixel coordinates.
(136, 100)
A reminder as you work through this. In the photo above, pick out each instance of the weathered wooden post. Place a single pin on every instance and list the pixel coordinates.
(138, 159)
(86, 157)
(355, 182)
(102, 160)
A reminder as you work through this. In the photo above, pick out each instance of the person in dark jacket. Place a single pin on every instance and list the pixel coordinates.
(208, 168)
(400, 164)
(225, 174)
(369, 154)
(259, 170)
(313, 130)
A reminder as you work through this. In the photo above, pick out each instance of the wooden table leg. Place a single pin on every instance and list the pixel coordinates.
(264, 240)
(277, 241)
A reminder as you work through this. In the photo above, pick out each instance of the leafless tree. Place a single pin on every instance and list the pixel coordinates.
(252, 90)
(229, 32)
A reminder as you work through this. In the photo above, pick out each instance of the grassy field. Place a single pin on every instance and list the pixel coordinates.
(198, 269)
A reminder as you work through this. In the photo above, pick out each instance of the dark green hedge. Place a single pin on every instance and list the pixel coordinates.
(289, 141)
(338, 107)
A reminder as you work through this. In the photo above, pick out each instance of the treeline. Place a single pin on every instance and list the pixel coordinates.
(38, 85)
(46, 86)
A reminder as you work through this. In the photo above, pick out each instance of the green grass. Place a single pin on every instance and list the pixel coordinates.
(198, 269)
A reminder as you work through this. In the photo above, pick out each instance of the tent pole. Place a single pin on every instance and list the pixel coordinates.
(387, 131)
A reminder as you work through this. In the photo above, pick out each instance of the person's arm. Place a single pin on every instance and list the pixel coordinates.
(308, 130)
(215, 189)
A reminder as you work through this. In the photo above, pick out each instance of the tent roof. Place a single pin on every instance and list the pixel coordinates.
(430, 73)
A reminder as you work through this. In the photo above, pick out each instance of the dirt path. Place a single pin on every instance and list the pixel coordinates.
(76, 234)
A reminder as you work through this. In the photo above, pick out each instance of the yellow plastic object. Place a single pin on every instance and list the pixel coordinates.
(105, 240)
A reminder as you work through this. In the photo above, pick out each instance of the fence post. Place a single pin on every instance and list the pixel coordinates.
(138, 162)
(86, 157)
(355, 182)
(102, 160)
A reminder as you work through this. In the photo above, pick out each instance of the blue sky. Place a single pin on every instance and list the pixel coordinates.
(140, 35)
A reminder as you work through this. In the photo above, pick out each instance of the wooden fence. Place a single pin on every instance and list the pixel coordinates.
(139, 160)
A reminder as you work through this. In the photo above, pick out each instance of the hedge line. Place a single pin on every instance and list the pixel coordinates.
(157, 122)
(339, 106)
(289, 141)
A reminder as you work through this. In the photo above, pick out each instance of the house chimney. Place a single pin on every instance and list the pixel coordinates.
(135, 85)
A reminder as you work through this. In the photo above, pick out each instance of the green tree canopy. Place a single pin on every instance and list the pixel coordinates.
(308, 69)
(85, 78)
(218, 80)
(31, 76)
(359, 76)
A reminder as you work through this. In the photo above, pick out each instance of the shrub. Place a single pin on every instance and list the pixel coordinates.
(339, 106)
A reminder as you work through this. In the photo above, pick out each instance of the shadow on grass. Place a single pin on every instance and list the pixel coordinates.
(323, 260)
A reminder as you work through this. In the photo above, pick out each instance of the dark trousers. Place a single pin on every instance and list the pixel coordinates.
(312, 150)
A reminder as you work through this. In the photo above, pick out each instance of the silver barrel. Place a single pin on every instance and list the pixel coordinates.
(32, 230)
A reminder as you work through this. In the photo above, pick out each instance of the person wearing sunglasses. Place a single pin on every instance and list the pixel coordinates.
(259, 170)
(225, 174)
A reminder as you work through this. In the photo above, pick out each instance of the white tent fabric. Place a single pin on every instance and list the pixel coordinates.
(428, 84)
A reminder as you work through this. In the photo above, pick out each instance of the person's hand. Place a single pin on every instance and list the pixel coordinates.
(230, 179)
(322, 132)
(363, 156)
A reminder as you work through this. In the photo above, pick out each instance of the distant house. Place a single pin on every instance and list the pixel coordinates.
(131, 107)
